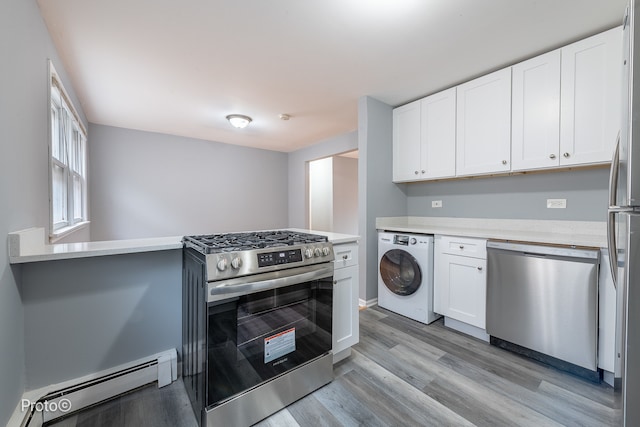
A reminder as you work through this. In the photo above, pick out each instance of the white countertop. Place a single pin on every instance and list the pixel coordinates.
(29, 246)
(573, 233)
(335, 238)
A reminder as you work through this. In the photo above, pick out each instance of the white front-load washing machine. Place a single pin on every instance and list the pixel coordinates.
(405, 275)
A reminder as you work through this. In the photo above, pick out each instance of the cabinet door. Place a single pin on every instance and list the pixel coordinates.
(406, 142)
(590, 98)
(345, 308)
(535, 121)
(463, 284)
(438, 135)
(483, 141)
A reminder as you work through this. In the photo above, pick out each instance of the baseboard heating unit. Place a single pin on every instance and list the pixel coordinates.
(52, 402)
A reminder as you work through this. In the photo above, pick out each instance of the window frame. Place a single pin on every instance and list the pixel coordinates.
(68, 154)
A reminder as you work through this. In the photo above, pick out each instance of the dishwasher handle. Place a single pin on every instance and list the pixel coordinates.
(542, 251)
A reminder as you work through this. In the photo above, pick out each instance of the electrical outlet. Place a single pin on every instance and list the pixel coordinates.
(556, 203)
(436, 203)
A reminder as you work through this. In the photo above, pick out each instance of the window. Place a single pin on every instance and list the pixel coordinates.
(68, 149)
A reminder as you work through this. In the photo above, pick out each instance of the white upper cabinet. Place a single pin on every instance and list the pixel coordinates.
(424, 138)
(590, 98)
(406, 142)
(535, 121)
(438, 141)
(556, 110)
(483, 143)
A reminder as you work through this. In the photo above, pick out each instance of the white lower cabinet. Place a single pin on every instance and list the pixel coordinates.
(460, 279)
(346, 330)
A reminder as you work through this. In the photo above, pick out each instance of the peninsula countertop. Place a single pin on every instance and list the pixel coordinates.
(29, 246)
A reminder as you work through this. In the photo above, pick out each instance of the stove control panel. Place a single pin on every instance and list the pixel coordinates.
(280, 257)
(227, 265)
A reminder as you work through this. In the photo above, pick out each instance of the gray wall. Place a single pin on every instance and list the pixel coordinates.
(345, 195)
(86, 315)
(25, 46)
(321, 194)
(297, 164)
(517, 197)
(147, 184)
(377, 195)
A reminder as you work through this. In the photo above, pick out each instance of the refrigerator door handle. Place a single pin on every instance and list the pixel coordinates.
(613, 250)
(611, 217)
(613, 174)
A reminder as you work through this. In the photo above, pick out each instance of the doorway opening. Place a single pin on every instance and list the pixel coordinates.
(333, 193)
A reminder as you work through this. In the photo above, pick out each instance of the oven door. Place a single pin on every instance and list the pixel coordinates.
(261, 326)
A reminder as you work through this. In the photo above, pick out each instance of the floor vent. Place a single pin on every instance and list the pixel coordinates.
(78, 394)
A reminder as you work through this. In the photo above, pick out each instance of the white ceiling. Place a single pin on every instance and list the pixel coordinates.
(180, 66)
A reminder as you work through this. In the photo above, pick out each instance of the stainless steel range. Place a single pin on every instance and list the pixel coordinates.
(256, 322)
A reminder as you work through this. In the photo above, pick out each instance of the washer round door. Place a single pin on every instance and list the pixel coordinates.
(400, 272)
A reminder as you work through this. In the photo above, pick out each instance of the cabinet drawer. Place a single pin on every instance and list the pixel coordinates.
(346, 255)
(464, 246)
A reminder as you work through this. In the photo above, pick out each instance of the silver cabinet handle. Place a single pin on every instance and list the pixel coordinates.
(461, 246)
(479, 268)
(345, 257)
(504, 162)
(552, 156)
(335, 282)
(566, 155)
(423, 171)
(416, 172)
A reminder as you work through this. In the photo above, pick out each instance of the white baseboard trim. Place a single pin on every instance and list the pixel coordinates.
(367, 303)
(48, 403)
(465, 328)
(608, 377)
(341, 355)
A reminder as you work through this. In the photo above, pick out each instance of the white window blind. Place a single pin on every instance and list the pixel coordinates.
(68, 148)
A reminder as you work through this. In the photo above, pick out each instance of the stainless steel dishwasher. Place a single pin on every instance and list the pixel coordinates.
(544, 298)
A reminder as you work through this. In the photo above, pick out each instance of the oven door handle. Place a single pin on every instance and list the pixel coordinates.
(234, 288)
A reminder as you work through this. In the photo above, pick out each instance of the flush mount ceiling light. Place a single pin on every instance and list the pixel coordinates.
(238, 120)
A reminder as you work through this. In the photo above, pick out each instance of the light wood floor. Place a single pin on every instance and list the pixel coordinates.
(404, 373)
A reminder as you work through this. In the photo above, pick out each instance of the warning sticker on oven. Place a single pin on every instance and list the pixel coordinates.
(279, 344)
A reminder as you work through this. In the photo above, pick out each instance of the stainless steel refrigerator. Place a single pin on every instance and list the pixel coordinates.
(624, 223)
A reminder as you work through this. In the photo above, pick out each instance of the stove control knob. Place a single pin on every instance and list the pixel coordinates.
(308, 253)
(413, 241)
(318, 252)
(222, 264)
(326, 251)
(236, 263)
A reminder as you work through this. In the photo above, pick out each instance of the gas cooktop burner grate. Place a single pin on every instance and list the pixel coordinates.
(234, 242)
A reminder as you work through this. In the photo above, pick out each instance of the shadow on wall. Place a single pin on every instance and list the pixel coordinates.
(515, 197)
(90, 314)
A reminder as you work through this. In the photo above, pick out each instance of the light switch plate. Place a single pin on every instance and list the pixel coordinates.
(556, 203)
(436, 203)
